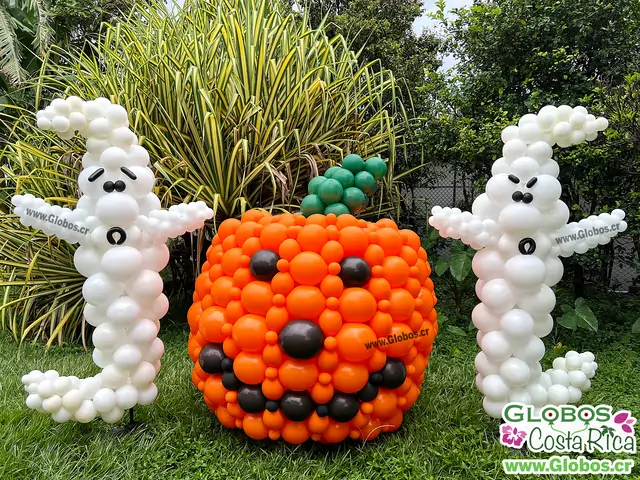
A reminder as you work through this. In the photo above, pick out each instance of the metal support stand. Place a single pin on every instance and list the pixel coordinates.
(129, 427)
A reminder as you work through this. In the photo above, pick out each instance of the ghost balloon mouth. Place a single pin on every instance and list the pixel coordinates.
(111, 236)
(527, 246)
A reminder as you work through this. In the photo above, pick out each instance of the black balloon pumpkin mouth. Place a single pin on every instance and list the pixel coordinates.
(298, 406)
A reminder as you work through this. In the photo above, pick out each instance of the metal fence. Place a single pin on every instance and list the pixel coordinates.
(449, 190)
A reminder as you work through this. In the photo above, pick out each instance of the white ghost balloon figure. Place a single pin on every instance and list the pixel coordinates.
(122, 233)
(519, 227)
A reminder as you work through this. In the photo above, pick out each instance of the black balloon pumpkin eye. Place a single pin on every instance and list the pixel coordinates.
(264, 265)
(251, 399)
(301, 339)
(343, 407)
(272, 406)
(297, 406)
(393, 374)
(354, 272)
(212, 357)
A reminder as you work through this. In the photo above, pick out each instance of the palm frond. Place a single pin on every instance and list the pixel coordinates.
(10, 54)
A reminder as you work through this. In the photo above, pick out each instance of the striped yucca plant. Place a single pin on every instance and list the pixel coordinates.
(239, 105)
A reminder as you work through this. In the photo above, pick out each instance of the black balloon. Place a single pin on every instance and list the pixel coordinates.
(354, 272)
(272, 406)
(322, 410)
(368, 393)
(263, 264)
(394, 373)
(301, 339)
(343, 408)
(251, 399)
(227, 365)
(230, 381)
(375, 378)
(297, 406)
(211, 358)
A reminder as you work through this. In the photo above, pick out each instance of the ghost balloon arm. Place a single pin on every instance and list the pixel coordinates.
(470, 229)
(176, 221)
(578, 237)
(52, 220)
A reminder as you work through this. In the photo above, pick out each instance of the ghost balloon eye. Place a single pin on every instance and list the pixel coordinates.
(517, 196)
(527, 198)
(532, 182)
(119, 186)
(354, 272)
(263, 264)
(514, 179)
(95, 175)
(109, 186)
(128, 173)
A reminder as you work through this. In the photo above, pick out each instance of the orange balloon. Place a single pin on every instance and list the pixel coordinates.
(211, 323)
(254, 428)
(272, 355)
(317, 424)
(401, 305)
(298, 376)
(234, 311)
(332, 286)
(374, 255)
(308, 268)
(214, 390)
(248, 333)
(332, 251)
(252, 215)
(354, 342)
(242, 277)
(295, 433)
(415, 321)
(257, 297)
(215, 272)
(225, 417)
(396, 271)
(385, 404)
(402, 337)
(371, 430)
(317, 219)
(380, 288)
(390, 241)
(277, 318)
(336, 432)
(409, 255)
(282, 283)
(273, 420)
(231, 261)
(413, 287)
(246, 231)
(354, 241)
(377, 361)
(221, 291)
(273, 389)
(330, 322)
(203, 285)
(228, 227)
(328, 361)
(357, 305)
(194, 313)
(305, 302)
(249, 368)
(289, 249)
(349, 378)
(344, 221)
(410, 239)
(312, 238)
(322, 394)
(387, 223)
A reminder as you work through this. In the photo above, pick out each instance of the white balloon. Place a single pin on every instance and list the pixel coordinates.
(498, 296)
(558, 395)
(146, 286)
(52, 404)
(122, 263)
(493, 409)
(484, 319)
(72, 400)
(127, 396)
(525, 271)
(143, 375)
(62, 415)
(531, 352)
(127, 357)
(104, 400)
(123, 311)
(517, 323)
(144, 332)
(100, 290)
(117, 209)
(113, 416)
(89, 387)
(496, 346)
(494, 387)
(147, 395)
(86, 412)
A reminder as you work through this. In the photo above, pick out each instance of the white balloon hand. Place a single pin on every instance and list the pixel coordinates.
(52, 220)
(470, 229)
(578, 237)
(176, 221)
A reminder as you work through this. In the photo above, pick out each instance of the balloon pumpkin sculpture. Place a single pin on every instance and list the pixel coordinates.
(314, 325)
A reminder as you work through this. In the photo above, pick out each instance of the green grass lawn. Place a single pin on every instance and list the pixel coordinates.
(446, 435)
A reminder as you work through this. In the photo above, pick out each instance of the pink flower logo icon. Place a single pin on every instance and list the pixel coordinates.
(511, 436)
(625, 420)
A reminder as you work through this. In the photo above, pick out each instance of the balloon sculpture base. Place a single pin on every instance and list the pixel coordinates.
(129, 427)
